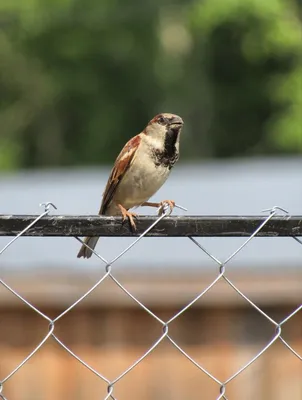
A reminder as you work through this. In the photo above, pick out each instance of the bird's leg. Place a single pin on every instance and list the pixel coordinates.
(148, 204)
(129, 215)
(160, 205)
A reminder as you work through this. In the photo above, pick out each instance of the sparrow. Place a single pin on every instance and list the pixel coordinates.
(140, 169)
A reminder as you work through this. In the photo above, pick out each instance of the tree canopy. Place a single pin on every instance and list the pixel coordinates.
(78, 79)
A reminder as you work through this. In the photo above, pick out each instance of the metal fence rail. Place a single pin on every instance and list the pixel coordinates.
(277, 222)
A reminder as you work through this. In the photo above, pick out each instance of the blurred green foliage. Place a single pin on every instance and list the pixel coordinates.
(78, 78)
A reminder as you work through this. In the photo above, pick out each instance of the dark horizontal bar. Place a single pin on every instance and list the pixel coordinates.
(217, 226)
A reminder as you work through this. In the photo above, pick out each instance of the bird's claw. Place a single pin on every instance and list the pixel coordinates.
(166, 206)
(130, 215)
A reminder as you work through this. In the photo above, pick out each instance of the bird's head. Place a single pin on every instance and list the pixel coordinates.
(165, 127)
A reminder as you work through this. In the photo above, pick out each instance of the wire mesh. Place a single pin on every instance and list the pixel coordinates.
(277, 326)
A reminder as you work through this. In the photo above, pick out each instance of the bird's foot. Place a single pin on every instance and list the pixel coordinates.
(129, 215)
(161, 206)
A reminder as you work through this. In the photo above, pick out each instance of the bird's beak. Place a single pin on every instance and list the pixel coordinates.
(176, 121)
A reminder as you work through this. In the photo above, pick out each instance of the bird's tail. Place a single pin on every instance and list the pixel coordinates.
(91, 242)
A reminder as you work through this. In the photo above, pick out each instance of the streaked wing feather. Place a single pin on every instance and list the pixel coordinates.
(122, 163)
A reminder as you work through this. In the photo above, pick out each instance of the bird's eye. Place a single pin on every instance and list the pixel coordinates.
(161, 120)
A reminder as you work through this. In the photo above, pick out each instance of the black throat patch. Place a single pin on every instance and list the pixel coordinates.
(170, 154)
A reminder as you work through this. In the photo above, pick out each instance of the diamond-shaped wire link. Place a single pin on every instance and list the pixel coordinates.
(166, 335)
(51, 325)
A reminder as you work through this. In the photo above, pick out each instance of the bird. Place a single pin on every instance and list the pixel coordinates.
(140, 169)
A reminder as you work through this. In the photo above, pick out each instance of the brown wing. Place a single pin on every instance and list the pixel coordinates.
(122, 163)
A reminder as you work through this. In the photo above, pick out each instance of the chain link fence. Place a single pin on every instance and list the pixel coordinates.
(276, 223)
